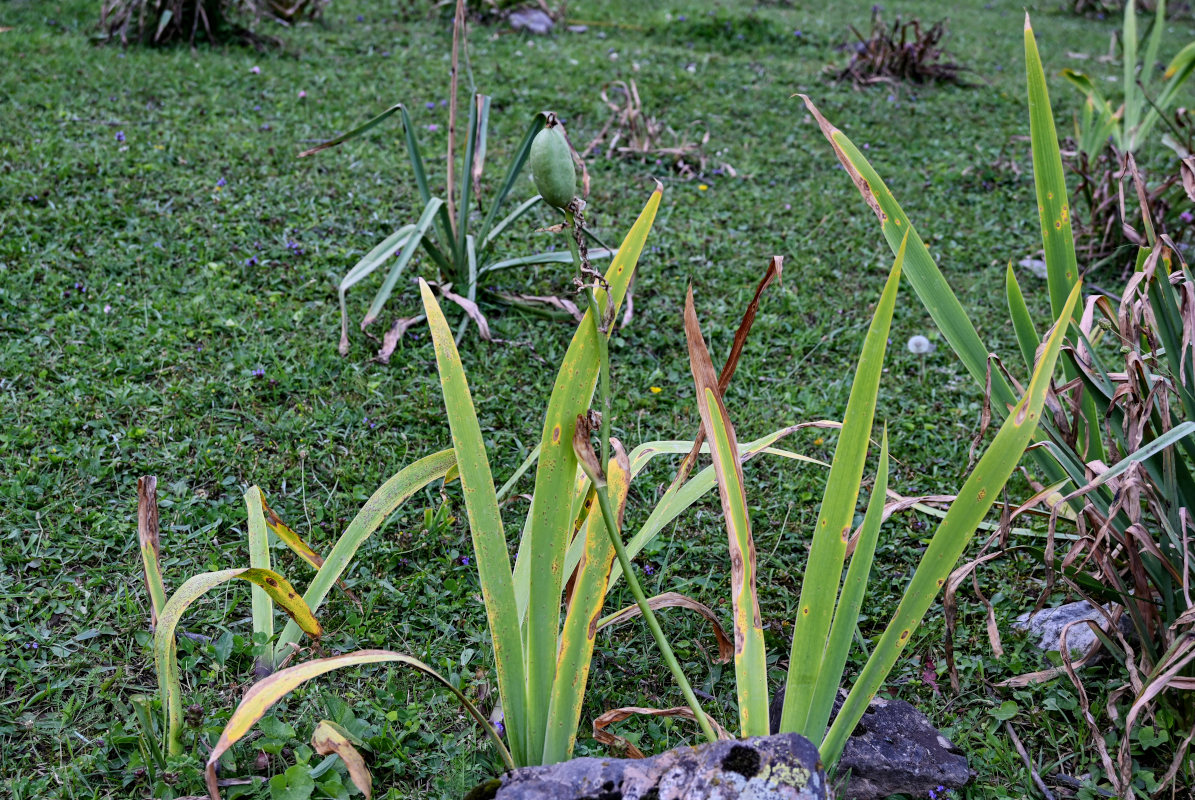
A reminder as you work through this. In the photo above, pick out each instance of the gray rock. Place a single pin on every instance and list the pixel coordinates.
(532, 20)
(784, 767)
(1046, 626)
(893, 750)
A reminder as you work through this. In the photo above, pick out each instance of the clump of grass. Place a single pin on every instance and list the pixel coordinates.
(631, 133)
(903, 52)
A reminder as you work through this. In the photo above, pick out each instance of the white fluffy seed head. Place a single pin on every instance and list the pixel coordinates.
(920, 345)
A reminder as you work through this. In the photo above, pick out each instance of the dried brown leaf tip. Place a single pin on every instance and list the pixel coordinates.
(583, 447)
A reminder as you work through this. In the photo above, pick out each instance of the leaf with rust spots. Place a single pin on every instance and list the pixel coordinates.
(750, 658)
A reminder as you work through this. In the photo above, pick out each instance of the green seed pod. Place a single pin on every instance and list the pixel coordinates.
(552, 167)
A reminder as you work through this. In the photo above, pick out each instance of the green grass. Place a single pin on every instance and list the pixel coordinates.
(160, 243)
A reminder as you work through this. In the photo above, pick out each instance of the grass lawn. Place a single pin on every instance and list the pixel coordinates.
(168, 307)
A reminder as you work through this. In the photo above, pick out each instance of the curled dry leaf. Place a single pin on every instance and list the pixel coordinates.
(586, 424)
(677, 600)
(330, 738)
(1187, 169)
(620, 744)
(393, 336)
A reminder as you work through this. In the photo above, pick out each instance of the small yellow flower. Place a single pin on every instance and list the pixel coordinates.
(818, 441)
(701, 187)
(655, 389)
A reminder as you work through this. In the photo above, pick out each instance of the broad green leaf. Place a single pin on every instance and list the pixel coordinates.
(259, 558)
(1132, 106)
(819, 590)
(263, 694)
(478, 112)
(381, 504)
(973, 502)
(1049, 180)
(581, 619)
(165, 654)
(551, 519)
(923, 274)
(846, 616)
(1022, 322)
(1153, 43)
(485, 528)
(932, 289)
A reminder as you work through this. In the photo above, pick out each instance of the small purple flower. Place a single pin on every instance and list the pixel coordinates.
(797, 32)
(433, 127)
(430, 104)
(31, 645)
(221, 182)
(463, 561)
(259, 373)
(681, 18)
(360, 18)
(198, 348)
(648, 569)
(257, 108)
(385, 54)
(443, 103)
(251, 261)
(718, 171)
(120, 136)
(107, 309)
(1187, 217)
(256, 70)
(500, 728)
